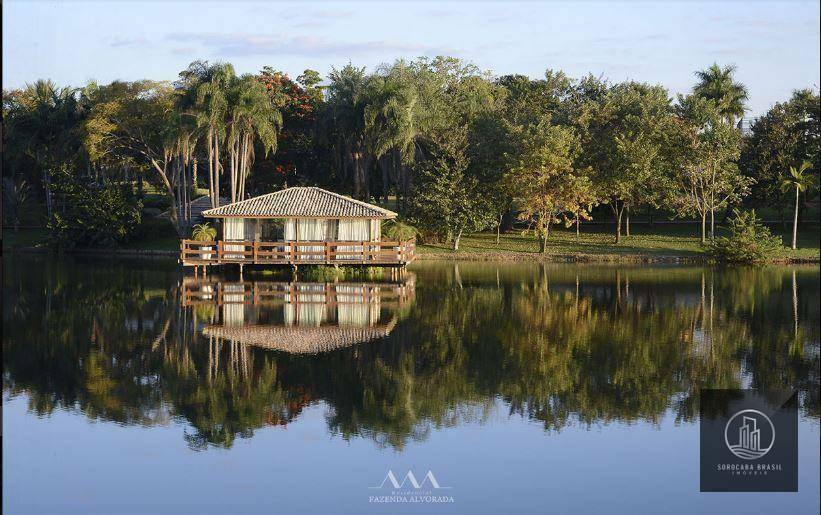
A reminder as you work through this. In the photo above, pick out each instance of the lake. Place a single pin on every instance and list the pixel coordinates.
(515, 387)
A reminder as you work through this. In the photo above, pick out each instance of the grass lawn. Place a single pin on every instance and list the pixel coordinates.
(596, 242)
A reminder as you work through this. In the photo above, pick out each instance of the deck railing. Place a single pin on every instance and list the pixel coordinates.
(194, 253)
(204, 291)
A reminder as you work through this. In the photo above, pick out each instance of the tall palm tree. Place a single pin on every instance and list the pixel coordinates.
(390, 122)
(345, 118)
(252, 116)
(800, 181)
(718, 83)
(43, 121)
(209, 86)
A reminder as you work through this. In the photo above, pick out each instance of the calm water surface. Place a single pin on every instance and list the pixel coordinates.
(524, 388)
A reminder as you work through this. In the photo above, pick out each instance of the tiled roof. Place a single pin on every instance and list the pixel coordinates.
(300, 202)
(300, 339)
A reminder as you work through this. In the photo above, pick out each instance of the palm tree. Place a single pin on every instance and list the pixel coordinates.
(345, 119)
(390, 122)
(800, 182)
(252, 115)
(207, 89)
(717, 83)
(42, 120)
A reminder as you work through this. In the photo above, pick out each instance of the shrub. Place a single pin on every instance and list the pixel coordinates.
(204, 232)
(749, 242)
(398, 231)
(86, 216)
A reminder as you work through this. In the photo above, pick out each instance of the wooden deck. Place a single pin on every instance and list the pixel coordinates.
(364, 253)
(262, 293)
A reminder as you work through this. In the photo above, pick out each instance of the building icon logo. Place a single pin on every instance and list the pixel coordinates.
(749, 434)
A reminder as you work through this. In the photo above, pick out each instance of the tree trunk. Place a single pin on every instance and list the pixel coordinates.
(578, 223)
(210, 144)
(169, 188)
(795, 223)
(703, 227)
(617, 212)
(456, 240)
(712, 224)
(543, 243)
(499, 229)
(217, 170)
(356, 157)
(627, 221)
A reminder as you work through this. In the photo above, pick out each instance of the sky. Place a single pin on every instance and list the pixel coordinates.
(775, 45)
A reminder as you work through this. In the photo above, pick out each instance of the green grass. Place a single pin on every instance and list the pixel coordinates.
(597, 242)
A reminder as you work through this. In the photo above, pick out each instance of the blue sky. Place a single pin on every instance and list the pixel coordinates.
(774, 45)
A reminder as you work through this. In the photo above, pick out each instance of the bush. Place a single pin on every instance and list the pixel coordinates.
(86, 216)
(323, 273)
(749, 242)
(398, 231)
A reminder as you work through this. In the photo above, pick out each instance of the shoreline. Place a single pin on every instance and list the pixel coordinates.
(507, 256)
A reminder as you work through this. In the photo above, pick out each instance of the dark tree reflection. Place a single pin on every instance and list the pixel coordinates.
(556, 344)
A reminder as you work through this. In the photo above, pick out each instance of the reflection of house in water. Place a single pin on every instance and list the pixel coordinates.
(299, 317)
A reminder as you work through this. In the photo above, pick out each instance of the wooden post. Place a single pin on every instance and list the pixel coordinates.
(254, 247)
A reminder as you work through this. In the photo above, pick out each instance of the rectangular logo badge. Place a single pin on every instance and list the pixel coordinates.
(749, 441)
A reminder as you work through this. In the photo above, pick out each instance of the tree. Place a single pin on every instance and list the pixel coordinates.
(799, 181)
(41, 123)
(208, 86)
(299, 156)
(790, 132)
(707, 177)
(624, 128)
(448, 202)
(252, 116)
(91, 215)
(345, 122)
(15, 198)
(718, 84)
(137, 120)
(580, 200)
(542, 175)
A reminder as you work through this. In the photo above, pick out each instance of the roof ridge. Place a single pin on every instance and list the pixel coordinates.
(356, 201)
(304, 192)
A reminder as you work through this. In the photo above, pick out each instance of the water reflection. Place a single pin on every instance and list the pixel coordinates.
(297, 317)
(560, 345)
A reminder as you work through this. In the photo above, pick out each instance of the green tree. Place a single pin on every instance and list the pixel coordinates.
(788, 133)
(208, 86)
(542, 176)
(137, 120)
(89, 216)
(253, 116)
(799, 181)
(718, 84)
(345, 122)
(706, 177)
(448, 201)
(624, 128)
(40, 122)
